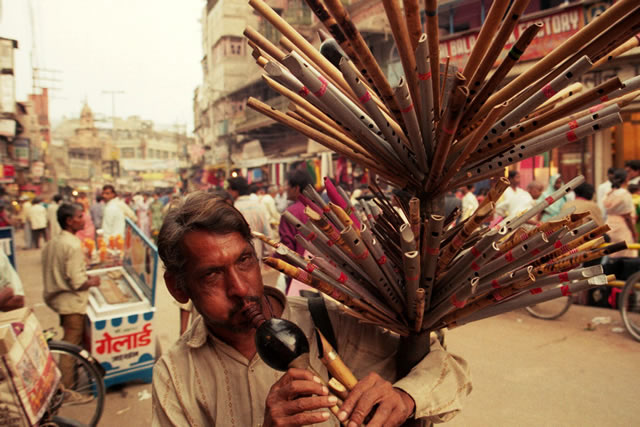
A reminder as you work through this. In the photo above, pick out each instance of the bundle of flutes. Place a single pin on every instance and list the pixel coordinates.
(399, 262)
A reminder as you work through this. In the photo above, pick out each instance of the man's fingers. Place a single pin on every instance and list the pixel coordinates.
(385, 415)
(365, 387)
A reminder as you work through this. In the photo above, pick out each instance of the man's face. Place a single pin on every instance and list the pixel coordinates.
(108, 194)
(535, 191)
(292, 192)
(515, 181)
(76, 222)
(631, 173)
(222, 273)
(558, 183)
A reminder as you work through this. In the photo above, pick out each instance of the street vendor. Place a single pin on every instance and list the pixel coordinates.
(213, 375)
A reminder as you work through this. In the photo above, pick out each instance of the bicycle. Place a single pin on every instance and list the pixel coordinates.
(629, 303)
(81, 403)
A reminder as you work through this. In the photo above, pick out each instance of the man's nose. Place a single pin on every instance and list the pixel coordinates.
(237, 283)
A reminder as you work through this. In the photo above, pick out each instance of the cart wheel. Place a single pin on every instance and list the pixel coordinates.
(550, 310)
(630, 305)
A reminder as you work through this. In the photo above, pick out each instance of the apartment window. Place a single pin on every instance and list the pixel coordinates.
(235, 46)
(127, 152)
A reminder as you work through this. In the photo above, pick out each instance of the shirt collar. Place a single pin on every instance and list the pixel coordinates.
(198, 333)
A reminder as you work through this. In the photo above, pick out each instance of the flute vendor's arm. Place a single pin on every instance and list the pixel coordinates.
(437, 384)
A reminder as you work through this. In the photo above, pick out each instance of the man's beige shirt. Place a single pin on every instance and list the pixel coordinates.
(201, 381)
(64, 272)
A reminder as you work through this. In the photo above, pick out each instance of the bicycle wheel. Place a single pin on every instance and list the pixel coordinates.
(84, 393)
(630, 305)
(552, 309)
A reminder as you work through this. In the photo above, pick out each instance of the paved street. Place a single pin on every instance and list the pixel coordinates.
(526, 372)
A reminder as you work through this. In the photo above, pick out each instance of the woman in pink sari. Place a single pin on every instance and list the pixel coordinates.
(620, 214)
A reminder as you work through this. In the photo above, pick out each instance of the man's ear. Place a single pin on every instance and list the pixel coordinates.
(176, 291)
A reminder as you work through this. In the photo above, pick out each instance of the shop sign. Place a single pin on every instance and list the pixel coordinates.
(21, 152)
(37, 169)
(8, 173)
(8, 127)
(557, 28)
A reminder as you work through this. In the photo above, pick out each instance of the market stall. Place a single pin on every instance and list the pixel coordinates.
(120, 332)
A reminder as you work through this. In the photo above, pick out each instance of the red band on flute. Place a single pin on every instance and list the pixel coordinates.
(433, 251)
(330, 243)
(303, 276)
(535, 291)
(573, 124)
(342, 278)
(557, 244)
(549, 200)
(322, 89)
(548, 91)
(497, 296)
(409, 108)
(311, 236)
(495, 284)
(509, 256)
(326, 208)
(413, 278)
(565, 291)
(596, 108)
(311, 267)
(457, 241)
(535, 252)
(604, 98)
(363, 255)
(571, 136)
(424, 76)
(564, 277)
(366, 97)
(456, 303)
(475, 266)
(382, 260)
(475, 252)
(304, 91)
(447, 131)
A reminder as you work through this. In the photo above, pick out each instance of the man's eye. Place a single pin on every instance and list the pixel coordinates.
(246, 260)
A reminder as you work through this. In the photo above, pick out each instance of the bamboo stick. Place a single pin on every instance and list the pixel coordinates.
(411, 121)
(430, 252)
(426, 95)
(431, 12)
(264, 43)
(625, 47)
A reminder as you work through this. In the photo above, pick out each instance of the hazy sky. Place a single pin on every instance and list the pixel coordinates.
(149, 49)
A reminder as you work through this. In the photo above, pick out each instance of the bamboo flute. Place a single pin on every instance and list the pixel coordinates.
(513, 56)
(461, 237)
(407, 238)
(368, 264)
(411, 122)
(430, 252)
(431, 15)
(288, 31)
(371, 68)
(449, 124)
(448, 75)
(323, 139)
(572, 74)
(332, 233)
(487, 32)
(400, 148)
(312, 194)
(321, 12)
(562, 95)
(264, 43)
(458, 158)
(582, 257)
(318, 87)
(625, 47)
(412, 17)
(571, 45)
(497, 44)
(528, 299)
(381, 258)
(414, 218)
(426, 95)
(340, 200)
(400, 32)
(411, 263)
(568, 248)
(419, 317)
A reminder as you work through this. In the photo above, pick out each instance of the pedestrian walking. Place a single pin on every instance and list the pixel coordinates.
(555, 182)
(620, 214)
(37, 218)
(52, 218)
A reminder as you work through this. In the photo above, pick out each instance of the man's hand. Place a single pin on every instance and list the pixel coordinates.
(94, 281)
(290, 401)
(394, 405)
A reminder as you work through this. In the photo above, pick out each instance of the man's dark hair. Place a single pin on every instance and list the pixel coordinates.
(633, 164)
(512, 174)
(239, 184)
(611, 171)
(633, 188)
(66, 211)
(299, 178)
(109, 187)
(585, 190)
(99, 198)
(221, 193)
(57, 198)
(619, 177)
(199, 211)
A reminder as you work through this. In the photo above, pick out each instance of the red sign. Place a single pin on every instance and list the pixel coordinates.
(109, 344)
(557, 27)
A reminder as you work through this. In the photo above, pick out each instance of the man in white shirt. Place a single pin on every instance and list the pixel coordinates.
(113, 217)
(633, 171)
(469, 202)
(514, 200)
(37, 217)
(603, 190)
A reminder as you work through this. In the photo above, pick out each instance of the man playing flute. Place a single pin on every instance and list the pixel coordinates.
(213, 375)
